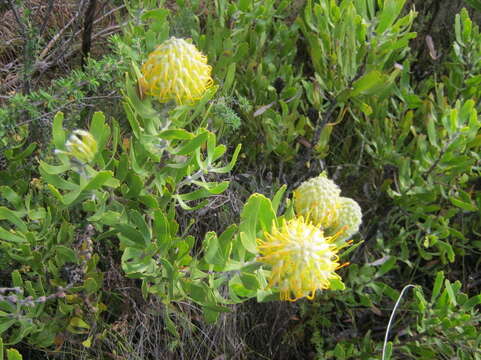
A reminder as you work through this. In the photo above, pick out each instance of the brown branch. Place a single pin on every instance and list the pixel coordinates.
(47, 16)
(60, 32)
(87, 32)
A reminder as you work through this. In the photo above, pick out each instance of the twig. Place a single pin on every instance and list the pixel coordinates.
(24, 31)
(45, 65)
(59, 34)
(47, 16)
(321, 124)
(108, 96)
(29, 300)
(77, 33)
(435, 163)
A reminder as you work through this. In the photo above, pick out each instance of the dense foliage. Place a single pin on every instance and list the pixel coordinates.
(161, 228)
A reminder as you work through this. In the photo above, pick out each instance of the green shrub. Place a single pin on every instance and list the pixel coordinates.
(327, 87)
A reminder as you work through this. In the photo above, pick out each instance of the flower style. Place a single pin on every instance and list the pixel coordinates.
(317, 198)
(302, 258)
(349, 218)
(81, 145)
(177, 71)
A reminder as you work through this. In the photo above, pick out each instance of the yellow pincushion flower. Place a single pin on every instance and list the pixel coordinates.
(317, 198)
(177, 71)
(302, 258)
(349, 218)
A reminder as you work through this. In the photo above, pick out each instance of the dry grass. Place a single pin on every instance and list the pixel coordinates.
(55, 34)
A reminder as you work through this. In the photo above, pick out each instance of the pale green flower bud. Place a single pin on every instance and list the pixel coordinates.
(349, 218)
(317, 200)
(81, 145)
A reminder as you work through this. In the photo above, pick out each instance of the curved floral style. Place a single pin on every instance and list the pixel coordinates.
(301, 257)
(177, 71)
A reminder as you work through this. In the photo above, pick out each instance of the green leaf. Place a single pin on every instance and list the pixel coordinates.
(17, 279)
(386, 266)
(135, 262)
(450, 291)
(9, 236)
(66, 254)
(391, 10)
(249, 281)
(176, 134)
(140, 223)
(336, 284)
(388, 353)
(215, 189)
(229, 78)
(160, 15)
(198, 292)
(5, 324)
(55, 169)
(99, 129)
(131, 236)
(87, 343)
(132, 118)
(78, 326)
(475, 4)
(438, 282)
(462, 204)
(257, 215)
(162, 231)
(211, 244)
(368, 84)
(7, 214)
(191, 145)
(13, 354)
(472, 302)
(11, 196)
(276, 200)
(233, 160)
(135, 184)
(100, 179)
(58, 134)
(25, 153)
(56, 180)
(91, 285)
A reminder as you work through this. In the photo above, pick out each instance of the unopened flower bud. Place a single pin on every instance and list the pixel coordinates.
(317, 199)
(81, 145)
(349, 218)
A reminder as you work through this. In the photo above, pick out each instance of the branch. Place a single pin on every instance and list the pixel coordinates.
(87, 32)
(44, 64)
(47, 16)
(60, 33)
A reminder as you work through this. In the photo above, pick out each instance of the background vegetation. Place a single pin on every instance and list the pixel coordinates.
(137, 255)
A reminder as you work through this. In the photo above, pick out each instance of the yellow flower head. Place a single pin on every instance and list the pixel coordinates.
(81, 145)
(302, 258)
(317, 198)
(176, 70)
(349, 218)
